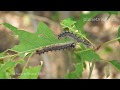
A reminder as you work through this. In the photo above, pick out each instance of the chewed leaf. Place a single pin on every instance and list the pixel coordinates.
(7, 65)
(32, 41)
(8, 68)
(30, 73)
(89, 55)
(75, 74)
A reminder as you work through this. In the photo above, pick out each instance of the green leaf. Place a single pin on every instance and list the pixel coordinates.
(115, 64)
(32, 41)
(88, 55)
(75, 74)
(7, 65)
(119, 34)
(30, 73)
(2, 55)
(71, 75)
(68, 23)
(11, 70)
(79, 69)
(82, 46)
(7, 68)
(77, 58)
(3, 75)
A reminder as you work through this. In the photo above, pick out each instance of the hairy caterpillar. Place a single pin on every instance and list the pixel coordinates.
(70, 34)
(56, 47)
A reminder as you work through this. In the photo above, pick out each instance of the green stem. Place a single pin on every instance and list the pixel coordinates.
(96, 49)
(110, 41)
(18, 53)
(80, 34)
(91, 69)
(27, 62)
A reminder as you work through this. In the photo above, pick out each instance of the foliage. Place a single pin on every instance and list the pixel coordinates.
(30, 73)
(30, 42)
(7, 68)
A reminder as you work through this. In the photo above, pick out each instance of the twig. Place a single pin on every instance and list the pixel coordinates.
(27, 61)
(91, 69)
(96, 49)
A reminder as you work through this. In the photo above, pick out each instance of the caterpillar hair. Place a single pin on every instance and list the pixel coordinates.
(72, 35)
(56, 47)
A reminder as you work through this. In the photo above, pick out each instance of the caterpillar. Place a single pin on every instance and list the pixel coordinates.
(70, 34)
(56, 47)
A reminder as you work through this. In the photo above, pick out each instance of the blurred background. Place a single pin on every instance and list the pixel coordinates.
(56, 64)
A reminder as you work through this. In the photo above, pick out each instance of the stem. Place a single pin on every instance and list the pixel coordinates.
(110, 41)
(80, 34)
(27, 61)
(17, 53)
(89, 64)
(91, 69)
(96, 49)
